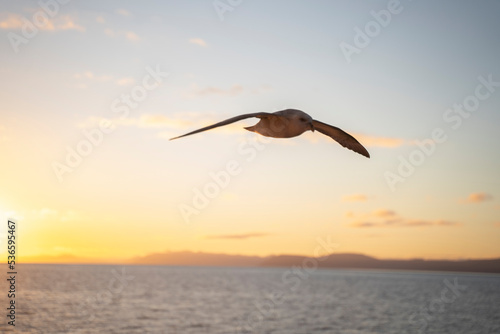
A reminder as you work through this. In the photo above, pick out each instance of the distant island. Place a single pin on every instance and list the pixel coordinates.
(337, 261)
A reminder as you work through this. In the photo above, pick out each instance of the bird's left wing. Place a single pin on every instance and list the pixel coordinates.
(227, 121)
(342, 137)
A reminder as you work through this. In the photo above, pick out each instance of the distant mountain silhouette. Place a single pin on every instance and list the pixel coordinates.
(346, 260)
(359, 261)
(337, 260)
(198, 259)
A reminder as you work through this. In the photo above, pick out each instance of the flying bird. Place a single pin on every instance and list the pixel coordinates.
(290, 123)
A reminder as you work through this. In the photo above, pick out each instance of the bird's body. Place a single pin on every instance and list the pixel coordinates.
(290, 123)
(283, 124)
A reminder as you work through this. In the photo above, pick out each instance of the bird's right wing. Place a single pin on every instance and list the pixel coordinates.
(226, 122)
(342, 137)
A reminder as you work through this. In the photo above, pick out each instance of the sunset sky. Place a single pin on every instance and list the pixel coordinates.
(91, 95)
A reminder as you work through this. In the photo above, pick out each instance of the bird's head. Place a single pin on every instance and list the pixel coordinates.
(306, 120)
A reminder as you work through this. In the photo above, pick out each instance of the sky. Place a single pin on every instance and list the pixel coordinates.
(91, 92)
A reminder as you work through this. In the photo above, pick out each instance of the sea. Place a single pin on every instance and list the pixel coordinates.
(219, 300)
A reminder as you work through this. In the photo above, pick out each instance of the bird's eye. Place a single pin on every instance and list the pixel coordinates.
(302, 119)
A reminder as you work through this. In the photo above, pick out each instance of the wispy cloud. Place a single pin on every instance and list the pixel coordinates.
(197, 41)
(238, 236)
(383, 213)
(389, 218)
(125, 81)
(404, 223)
(188, 119)
(355, 198)
(478, 198)
(11, 22)
(123, 12)
(64, 22)
(374, 141)
(132, 36)
(129, 35)
(67, 23)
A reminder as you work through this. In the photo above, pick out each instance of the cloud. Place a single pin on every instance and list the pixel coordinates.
(404, 223)
(183, 122)
(131, 36)
(374, 141)
(389, 218)
(65, 22)
(125, 81)
(159, 121)
(123, 12)
(430, 223)
(238, 236)
(355, 198)
(383, 213)
(198, 41)
(12, 22)
(478, 198)
(69, 24)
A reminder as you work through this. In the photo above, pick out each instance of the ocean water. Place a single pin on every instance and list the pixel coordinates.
(162, 299)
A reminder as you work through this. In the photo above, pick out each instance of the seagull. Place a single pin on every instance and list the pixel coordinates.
(290, 123)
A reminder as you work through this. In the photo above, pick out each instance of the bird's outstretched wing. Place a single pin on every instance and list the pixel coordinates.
(342, 137)
(226, 122)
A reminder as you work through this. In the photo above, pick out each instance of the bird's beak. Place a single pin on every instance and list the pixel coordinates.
(312, 127)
